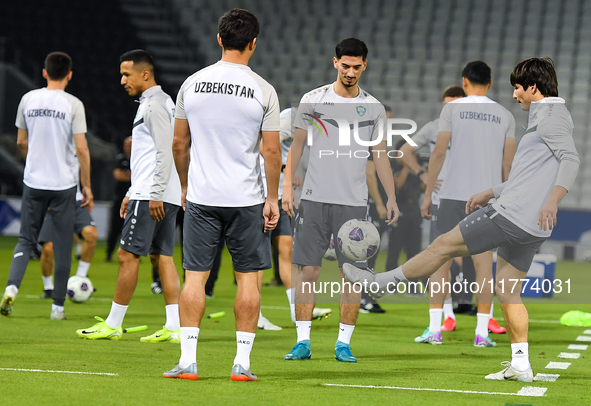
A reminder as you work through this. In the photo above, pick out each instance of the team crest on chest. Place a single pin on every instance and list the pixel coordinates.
(361, 110)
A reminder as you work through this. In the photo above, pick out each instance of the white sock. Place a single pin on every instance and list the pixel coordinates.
(78, 249)
(56, 308)
(448, 309)
(173, 322)
(394, 276)
(83, 269)
(482, 324)
(520, 356)
(189, 337)
(116, 316)
(244, 342)
(345, 332)
(492, 310)
(435, 316)
(13, 288)
(47, 282)
(290, 298)
(303, 329)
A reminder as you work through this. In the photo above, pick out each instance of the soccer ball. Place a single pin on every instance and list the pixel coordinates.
(358, 239)
(331, 253)
(79, 289)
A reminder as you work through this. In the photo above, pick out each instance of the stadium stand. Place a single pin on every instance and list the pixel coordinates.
(416, 49)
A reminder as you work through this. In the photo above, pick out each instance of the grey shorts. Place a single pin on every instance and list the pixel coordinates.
(486, 229)
(142, 235)
(433, 234)
(283, 225)
(242, 228)
(82, 219)
(449, 214)
(314, 225)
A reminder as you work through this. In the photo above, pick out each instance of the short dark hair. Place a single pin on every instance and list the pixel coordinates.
(477, 72)
(453, 91)
(237, 28)
(351, 47)
(138, 56)
(536, 71)
(58, 65)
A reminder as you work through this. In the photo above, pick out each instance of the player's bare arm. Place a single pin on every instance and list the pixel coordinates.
(508, 154)
(22, 142)
(84, 158)
(286, 202)
(384, 171)
(374, 191)
(122, 175)
(180, 152)
(435, 164)
(409, 160)
(271, 151)
(479, 200)
(548, 212)
(293, 160)
(123, 208)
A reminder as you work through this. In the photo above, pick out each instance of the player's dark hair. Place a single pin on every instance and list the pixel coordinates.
(453, 91)
(536, 71)
(351, 47)
(58, 65)
(237, 28)
(138, 56)
(477, 72)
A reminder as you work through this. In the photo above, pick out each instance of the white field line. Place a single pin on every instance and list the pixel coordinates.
(98, 299)
(584, 338)
(558, 365)
(546, 377)
(544, 321)
(525, 391)
(579, 347)
(59, 372)
(587, 332)
(569, 355)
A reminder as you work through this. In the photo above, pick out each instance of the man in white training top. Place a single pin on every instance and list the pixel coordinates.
(523, 216)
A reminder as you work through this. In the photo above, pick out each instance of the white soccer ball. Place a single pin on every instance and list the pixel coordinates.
(358, 239)
(331, 253)
(79, 289)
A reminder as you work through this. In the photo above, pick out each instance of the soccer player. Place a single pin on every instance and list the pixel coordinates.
(49, 119)
(335, 188)
(523, 216)
(84, 228)
(480, 135)
(151, 205)
(223, 112)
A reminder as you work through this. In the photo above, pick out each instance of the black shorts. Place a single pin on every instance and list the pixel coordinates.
(82, 220)
(283, 225)
(314, 225)
(242, 228)
(142, 235)
(486, 229)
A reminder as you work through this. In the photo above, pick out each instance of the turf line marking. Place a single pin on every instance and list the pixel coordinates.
(98, 299)
(525, 391)
(558, 365)
(584, 338)
(275, 307)
(546, 377)
(569, 355)
(58, 372)
(545, 321)
(579, 347)
(587, 332)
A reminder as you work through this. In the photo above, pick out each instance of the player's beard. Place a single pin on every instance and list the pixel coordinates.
(352, 84)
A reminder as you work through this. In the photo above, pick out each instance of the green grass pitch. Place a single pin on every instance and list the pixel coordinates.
(383, 345)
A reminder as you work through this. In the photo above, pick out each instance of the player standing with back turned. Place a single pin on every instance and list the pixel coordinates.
(223, 112)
